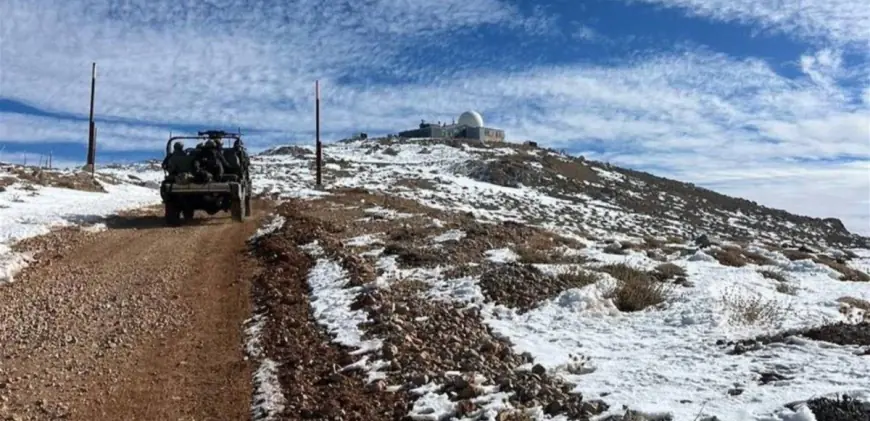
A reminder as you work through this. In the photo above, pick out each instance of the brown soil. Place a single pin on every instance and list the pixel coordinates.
(313, 386)
(137, 322)
(76, 180)
(419, 336)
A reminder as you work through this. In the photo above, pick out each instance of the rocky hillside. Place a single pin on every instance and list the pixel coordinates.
(544, 186)
(432, 280)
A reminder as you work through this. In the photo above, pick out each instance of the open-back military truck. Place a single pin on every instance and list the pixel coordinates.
(183, 194)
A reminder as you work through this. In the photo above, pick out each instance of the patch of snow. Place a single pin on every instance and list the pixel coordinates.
(502, 255)
(273, 224)
(331, 304)
(673, 353)
(362, 240)
(451, 235)
(269, 399)
(25, 214)
(386, 213)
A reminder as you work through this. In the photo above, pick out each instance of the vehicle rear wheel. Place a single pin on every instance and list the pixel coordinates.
(172, 214)
(188, 213)
(237, 210)
(238, 193)
(247, 205)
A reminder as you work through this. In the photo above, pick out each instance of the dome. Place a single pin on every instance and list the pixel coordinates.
(471, 119)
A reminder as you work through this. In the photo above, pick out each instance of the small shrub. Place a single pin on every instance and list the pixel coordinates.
(753, 309)
(635, 290)
(578, 278)
(624, 272)
(847, 274)
(855, 302)
(796, 255)
(638, 294)
(614, 248)
(786, 288)
(533, 255)
(666, 271)
(653, 243)
(757, 258)
(730, 257)
(773, 274)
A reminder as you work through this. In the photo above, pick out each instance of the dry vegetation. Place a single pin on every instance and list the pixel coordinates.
(796, 255)
(730, 256)
(855, 309)
(782, 283)
(776, 275)
(578, 277)
(756, 258)
(635, 290)
(753, 309)
(848, 274)
(77, 180)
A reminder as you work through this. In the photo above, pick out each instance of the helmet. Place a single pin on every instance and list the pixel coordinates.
(209, 144)
(178, 147)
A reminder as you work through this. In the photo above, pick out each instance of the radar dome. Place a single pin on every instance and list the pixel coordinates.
(471, 119)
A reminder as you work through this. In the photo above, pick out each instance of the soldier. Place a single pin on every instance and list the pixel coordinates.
(210, 163)
(242, 153)
(170, 163)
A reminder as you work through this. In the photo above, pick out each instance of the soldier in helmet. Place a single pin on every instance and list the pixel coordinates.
(170, 163)
(209, 164)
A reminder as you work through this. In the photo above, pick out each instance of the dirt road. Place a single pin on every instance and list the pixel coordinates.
(138, 322)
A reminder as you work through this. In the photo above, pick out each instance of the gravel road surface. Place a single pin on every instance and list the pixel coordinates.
(137, 322)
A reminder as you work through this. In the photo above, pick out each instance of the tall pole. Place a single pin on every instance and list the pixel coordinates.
(92, 140)
(317, 128)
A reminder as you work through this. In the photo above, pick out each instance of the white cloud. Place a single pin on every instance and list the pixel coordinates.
(22, 128)
(694, 114)
(839, 21)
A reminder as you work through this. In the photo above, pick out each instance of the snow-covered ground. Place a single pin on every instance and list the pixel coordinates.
(662, 360)
(33, 211)
(656, 361)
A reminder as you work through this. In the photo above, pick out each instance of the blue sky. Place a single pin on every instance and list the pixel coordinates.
(764, 99)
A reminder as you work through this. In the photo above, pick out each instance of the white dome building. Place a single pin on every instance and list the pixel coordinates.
(470, 119)
(470, 126)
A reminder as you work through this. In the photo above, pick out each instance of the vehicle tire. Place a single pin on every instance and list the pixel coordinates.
(238, 192)
(237, 209)
(188, 213)
(172, 214)
(247, 205)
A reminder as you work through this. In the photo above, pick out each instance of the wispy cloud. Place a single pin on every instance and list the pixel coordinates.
(831, 21)
(739, 124)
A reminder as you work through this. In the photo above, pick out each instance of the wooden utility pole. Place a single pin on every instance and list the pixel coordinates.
(318, 154)
(92, 132)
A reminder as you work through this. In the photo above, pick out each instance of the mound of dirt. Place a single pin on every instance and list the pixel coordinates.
(523, 287)
(836, 333)
(77, 180)
(840, 409)
(421, 340)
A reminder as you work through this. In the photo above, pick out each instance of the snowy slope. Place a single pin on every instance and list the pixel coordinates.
(28, 209)
(541, 186)
(674, 358)
(670, 360)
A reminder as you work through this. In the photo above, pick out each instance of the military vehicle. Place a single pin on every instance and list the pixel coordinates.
(192, 182)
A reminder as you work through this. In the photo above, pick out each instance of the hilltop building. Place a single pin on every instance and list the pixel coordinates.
(469, 126)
